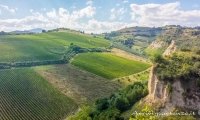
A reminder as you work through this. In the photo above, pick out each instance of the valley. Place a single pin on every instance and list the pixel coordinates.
(99, 60)
(67, 74)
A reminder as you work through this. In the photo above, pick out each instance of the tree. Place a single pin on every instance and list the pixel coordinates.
(43, 31)
(2, 33)
(102, 104)
(74, 48)
(121, 103)
(157, 58)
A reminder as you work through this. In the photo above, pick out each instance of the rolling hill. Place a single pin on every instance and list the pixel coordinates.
(17, 48)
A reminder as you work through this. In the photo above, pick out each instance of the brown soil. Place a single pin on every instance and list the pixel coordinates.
(81, 86)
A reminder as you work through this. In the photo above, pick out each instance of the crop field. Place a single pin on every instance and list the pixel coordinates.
(17, 48)
(25, 95)
(108, 65)
(81, 86)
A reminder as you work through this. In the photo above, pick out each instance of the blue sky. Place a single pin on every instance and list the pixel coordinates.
(96, 15)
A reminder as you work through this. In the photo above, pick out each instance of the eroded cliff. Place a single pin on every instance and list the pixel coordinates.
(165, 102)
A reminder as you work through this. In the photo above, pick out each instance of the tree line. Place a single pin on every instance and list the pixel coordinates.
(112, 107)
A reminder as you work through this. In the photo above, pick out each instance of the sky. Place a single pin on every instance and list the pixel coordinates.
(96, 16)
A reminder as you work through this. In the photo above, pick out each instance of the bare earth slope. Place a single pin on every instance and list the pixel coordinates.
(81, 86)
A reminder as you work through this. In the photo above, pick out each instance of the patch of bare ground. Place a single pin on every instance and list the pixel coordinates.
(127, 55)
(171, 48)
(81, 86)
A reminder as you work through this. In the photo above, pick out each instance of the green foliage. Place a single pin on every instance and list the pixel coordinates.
(185, 49)
(109, 114)
(112, 34)
(178, 66)
(156, 58)
(134, 39)
(194, 33)
(108, 65)
(43, 31)
(84, 114)
(75, 48)
(173, 34)
(2, 33)
(26, 95)
(198, 52)
(121, 103)
(101, 104)
(112, 107)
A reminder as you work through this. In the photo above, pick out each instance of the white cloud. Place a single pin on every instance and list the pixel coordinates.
(65, 19)
(62, 12)
(8, 9)
(37, 20)
(195, 5)
(88, 12)
(94, 26)
(65, 16)
(52, 14)
(0, 11)
(16, 8)
(117, 4)
(89, 3)
(125, 1)
(163, 14)
(117, 13)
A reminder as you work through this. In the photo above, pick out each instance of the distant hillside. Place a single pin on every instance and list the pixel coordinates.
(31, 31)
(36, 30)
(21, 32)
(137, 29)
(134, 39)
(185, 39)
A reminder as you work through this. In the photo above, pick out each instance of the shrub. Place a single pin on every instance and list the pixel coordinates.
(156, 58)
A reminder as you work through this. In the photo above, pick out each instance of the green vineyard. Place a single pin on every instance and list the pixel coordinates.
(108, 65)
(19, 48)
(27, 96)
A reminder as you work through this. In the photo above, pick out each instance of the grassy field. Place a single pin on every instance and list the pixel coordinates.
(16, 48)
(108, 65)
(28, 96)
